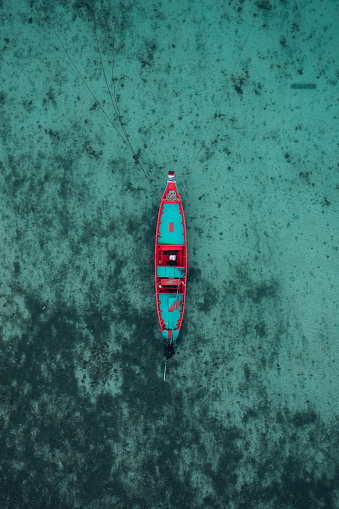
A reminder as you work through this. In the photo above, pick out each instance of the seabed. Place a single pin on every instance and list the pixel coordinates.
(247, 417)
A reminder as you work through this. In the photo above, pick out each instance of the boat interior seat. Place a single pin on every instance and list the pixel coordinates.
(170, 271)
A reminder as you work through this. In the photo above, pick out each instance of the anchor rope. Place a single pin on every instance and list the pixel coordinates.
(127, 143)
(113, 60)
(114, 102)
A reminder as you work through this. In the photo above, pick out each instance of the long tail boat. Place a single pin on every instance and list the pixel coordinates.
(170, 266)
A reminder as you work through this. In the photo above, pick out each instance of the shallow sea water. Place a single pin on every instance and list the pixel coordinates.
(248, 415)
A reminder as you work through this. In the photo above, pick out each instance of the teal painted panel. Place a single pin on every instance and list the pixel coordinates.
(171, 271)
(170, 318)
(171, 214)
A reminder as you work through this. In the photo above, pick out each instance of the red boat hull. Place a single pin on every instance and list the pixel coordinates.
(170, 264)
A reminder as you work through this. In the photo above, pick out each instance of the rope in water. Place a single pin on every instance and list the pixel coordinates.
(125, 141)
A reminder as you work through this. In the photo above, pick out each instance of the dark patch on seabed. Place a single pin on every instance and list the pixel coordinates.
(73, 448)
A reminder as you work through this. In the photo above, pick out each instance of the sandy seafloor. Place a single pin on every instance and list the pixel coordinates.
(248, 415)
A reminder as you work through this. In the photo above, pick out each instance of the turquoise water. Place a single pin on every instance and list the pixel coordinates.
(247, 417)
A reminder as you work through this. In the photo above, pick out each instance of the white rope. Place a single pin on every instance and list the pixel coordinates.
(171, 196)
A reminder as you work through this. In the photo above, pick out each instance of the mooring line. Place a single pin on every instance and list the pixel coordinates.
(114, 102)
(113, 61)
(135, 157)
(79, 73)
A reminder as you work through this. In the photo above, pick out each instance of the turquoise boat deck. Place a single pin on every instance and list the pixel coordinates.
(171, 228)
(171, 307)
